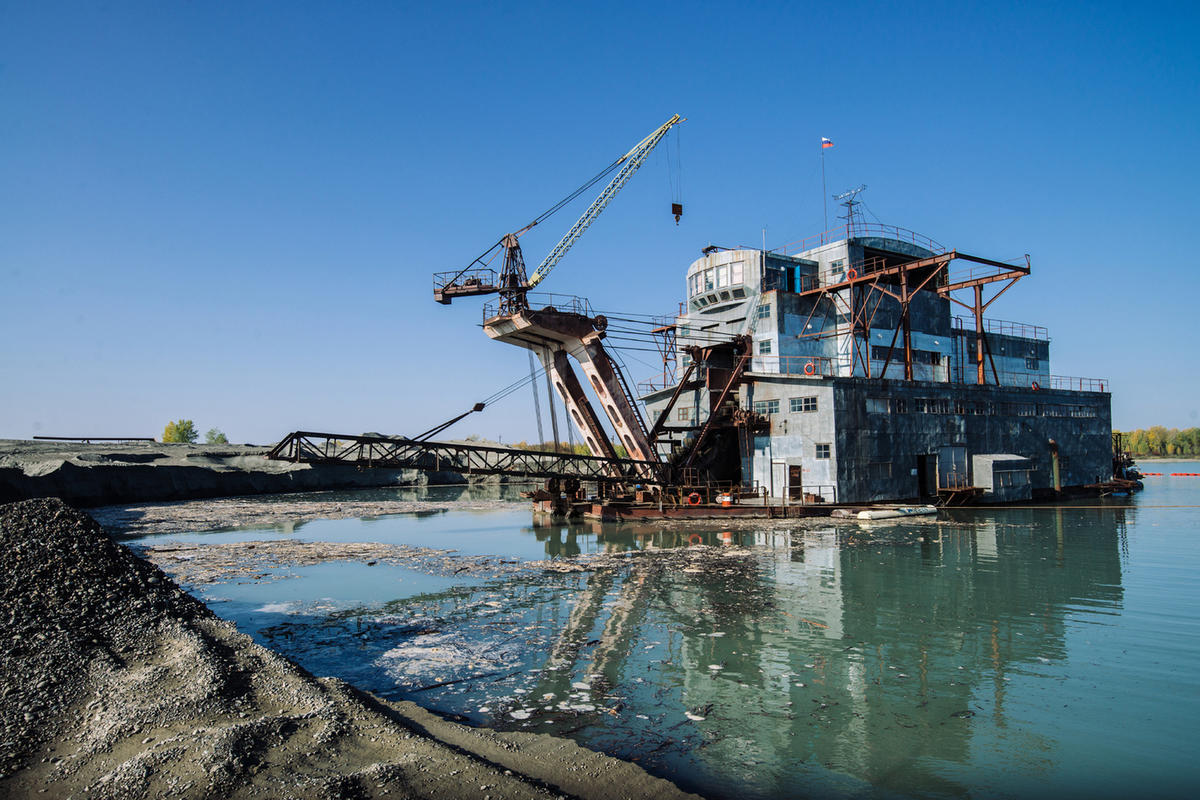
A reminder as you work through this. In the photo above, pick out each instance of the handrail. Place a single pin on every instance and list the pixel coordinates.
(1069, 383)
(562, 302)
(1003, 327)
(858, 230)
(793, 365)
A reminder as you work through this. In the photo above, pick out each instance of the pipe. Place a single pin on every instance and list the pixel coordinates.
(1054, 466)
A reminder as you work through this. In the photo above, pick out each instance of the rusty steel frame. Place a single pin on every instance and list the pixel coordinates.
(735, 378)
(940, 264)
(665, 340)
(382, 452)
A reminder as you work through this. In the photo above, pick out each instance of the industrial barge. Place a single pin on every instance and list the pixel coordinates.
(829, 374)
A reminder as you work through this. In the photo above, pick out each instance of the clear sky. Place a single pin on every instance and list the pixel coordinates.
(229, 212)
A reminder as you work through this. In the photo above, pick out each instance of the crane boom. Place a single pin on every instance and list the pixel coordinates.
(632, 161)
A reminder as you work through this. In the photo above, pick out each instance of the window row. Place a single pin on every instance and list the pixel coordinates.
(795, 404)
(879, 353)
(942, 405)
(716, 278)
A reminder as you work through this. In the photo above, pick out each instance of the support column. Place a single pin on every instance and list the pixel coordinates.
(904, 320)
(624, 418)
(558, 368)
(979, 376)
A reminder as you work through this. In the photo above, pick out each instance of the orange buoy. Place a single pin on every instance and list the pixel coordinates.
(695, 539)
(810, 368)
(694, 499)
(1035, 386)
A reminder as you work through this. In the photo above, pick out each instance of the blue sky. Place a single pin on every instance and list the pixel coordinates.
(229, 212)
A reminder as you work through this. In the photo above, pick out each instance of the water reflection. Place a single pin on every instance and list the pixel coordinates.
(916, 658)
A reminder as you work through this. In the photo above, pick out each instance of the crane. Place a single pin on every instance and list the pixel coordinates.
(477, 278)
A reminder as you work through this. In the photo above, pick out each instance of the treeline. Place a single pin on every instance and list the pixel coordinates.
(1160, 441)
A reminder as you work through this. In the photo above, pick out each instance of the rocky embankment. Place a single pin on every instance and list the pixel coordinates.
(125, 472)
(116, 683)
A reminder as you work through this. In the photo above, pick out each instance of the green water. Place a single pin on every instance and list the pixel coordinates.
(1008, 652)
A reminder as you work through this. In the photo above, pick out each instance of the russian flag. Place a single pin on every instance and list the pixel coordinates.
(826, 143)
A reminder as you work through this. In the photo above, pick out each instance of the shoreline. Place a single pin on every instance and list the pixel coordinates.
(101, 474)
(117, 682)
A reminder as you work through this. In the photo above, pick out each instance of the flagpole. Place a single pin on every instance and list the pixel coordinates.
(824, 201)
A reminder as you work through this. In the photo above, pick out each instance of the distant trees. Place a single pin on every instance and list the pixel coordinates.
(214, 436)
(181, 432)
(1161, 441)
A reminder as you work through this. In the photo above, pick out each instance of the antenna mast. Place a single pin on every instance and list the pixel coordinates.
(849, 200)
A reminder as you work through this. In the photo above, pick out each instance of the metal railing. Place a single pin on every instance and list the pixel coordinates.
(1003, 327)
(859, 230)
(566, 303)
(813, 493)
(954, 481)
(648, 386)
(1060, 382)
(813, 366)
(472, 278)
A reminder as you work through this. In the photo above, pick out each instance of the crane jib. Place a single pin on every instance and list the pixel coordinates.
(633, 160)
(479, 277)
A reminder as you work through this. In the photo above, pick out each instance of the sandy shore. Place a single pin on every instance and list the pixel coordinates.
(116, 683)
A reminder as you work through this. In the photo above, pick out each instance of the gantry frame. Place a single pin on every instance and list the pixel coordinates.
(930, 273)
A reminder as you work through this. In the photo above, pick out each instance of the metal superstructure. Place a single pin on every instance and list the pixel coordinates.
(558, 335)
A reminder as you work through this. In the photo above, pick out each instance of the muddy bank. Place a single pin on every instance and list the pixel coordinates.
(100, 474)
(116, 683)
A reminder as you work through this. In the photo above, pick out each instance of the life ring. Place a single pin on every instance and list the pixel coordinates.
(694, 499)
(810, 368)
(852, 273)
(695, 539)
(1035, 386)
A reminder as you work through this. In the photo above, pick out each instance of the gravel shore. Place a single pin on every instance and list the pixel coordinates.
(129, 472)
(117, 683)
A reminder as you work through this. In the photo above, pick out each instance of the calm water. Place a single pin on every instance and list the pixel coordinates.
(1044, 651)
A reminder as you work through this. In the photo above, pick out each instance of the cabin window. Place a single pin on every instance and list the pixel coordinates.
(804, 404)
(766, 407)
(823, 450)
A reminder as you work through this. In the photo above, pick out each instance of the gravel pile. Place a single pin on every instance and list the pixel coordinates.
(117, 684)
(69, 595)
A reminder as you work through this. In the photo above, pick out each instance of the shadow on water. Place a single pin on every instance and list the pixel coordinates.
(830, 659)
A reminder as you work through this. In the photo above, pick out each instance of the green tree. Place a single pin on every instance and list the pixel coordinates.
(1191, 437)
(214, 436)
(181, 431)
(1156, 439)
